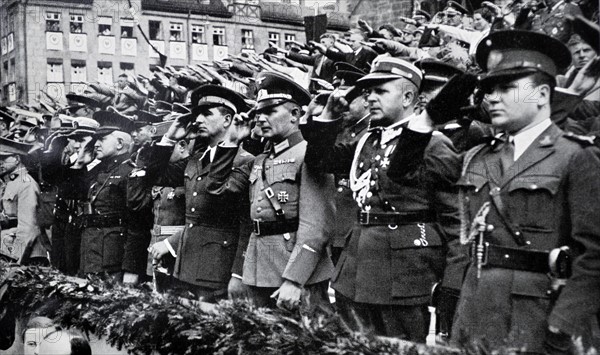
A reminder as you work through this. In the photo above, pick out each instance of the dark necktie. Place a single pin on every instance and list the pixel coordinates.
(507, 154)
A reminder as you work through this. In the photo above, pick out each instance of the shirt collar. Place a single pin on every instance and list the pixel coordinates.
(392, 131)
(524, 138)
(358, 51)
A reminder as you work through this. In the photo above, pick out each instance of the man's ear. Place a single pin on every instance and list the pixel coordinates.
(543, 94)
(153, 130)
(119, 143)
(408, 98)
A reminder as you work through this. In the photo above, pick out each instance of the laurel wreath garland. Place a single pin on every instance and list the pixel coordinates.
(144, 322)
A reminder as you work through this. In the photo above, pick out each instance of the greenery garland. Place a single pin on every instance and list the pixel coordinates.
(144, 322)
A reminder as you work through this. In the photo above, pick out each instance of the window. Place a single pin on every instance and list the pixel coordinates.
(105, 26)
(155, 29)
(247, 39)
(127, 68)
(274, 38)
(76, 23)
(289, 38)
(198, 34)
(14, 70)
(54, 71)
(127, 28)
(12, 92)
(175, 32)
(105, 73)
(219, 36)
(78, 72)
(52, 22)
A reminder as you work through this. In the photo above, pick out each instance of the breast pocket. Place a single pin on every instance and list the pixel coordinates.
(534, 201)
(283, 181)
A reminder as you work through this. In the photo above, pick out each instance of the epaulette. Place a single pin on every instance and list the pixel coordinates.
(586, 141)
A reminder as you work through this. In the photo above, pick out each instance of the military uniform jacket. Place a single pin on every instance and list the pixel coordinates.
(393, 264)
(18, 213)
(110, 247)
(551, 192)
(210, 248)
(299, 256)
(345, 207)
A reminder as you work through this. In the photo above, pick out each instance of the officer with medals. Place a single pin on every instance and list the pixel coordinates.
(407, 226)
(209, 249)
(22, 239)
(106, 244)
(529, 208)
(287, 254)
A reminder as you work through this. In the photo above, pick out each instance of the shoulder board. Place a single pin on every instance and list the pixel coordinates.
(585, 141)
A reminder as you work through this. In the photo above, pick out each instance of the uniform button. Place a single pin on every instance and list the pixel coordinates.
(533, 186)
(353, 135)
(191, 225)
(199, 178)
(528, 242)
(506, 256)
(193, 209)
(369, 194)
(195, 193)
(225, 242)
(259, 209)
(259, 198)
(383, 146)
(372, 183)
(340, 189)
(417, 242)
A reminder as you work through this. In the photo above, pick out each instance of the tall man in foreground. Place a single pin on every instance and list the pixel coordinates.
(288, 203)
(406, 227)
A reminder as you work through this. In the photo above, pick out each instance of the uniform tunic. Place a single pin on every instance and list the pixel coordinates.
(106, 244)
(18, 213)
(210, 247)
(299, 256)
(551, 192)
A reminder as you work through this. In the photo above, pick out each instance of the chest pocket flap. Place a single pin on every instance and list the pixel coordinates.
(548, 183)
(282, 172)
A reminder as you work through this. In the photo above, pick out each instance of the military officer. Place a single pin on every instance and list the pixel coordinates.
(355, 123)
(106, 244)
(529, 196)
(22, 239)
(59, 168)
(288, 203)
(406, 227)
(209, 250)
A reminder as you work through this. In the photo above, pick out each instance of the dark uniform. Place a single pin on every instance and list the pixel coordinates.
(405, 227)
(546, 199)
(288, 205)
(107, 245)
(210, 247)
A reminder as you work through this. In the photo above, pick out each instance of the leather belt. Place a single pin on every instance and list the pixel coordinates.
(166, 230)
(395, 218)
(273, 228)
(100, 221)
(514, 259)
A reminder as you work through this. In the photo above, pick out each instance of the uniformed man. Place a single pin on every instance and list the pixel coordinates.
(406, 227)
(168, 208)
(59, 169)
(22, 239)
(288, 203)
(106, 244)
(355, 123)
(527, 197)
(5, 121)
(209, 250)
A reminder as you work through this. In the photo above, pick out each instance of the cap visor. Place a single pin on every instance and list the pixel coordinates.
(376, 78)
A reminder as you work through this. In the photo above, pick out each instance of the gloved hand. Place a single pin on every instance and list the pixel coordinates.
(446, 105)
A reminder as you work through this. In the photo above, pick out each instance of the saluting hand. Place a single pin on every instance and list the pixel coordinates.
(587, 77)
(238, 130)
(181, 128)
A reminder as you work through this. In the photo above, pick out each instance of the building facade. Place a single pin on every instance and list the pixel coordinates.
(51, 48)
